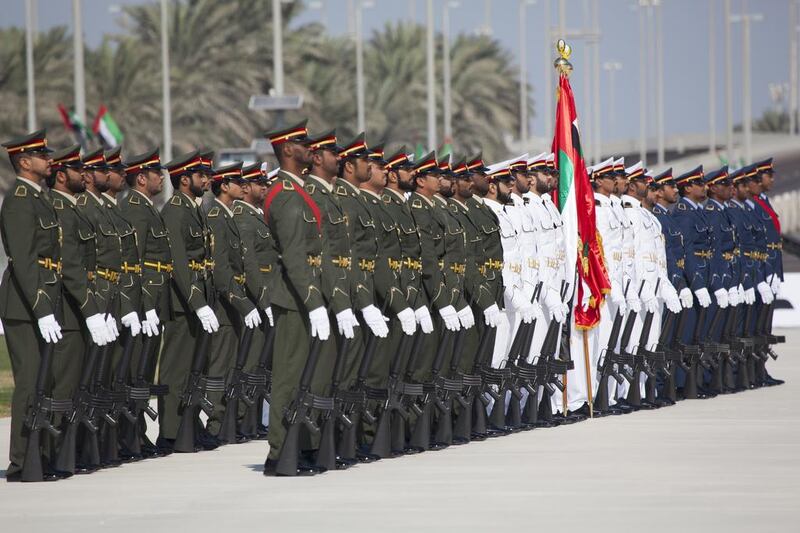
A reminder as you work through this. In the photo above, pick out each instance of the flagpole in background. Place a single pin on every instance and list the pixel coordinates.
(29, 31)
(77, 41)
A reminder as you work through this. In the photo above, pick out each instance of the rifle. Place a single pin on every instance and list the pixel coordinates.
(397, 394)
(605, 365)
(673, 356)
(421, 435)
(194, 398)
(549, 368)
(326, 456)
(118, 396)
(447, 389)
(522, 375)
(235, 390)
(693, 353)
(41, 410)
(299, 414)
(472, 419)
(642, 359)
(259, 384)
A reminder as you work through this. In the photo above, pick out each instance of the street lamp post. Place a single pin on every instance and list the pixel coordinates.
(726, 18)
(165, 83)
(642, 83)
(712, 80)
(659, 52)
(77, 41)
(612, 67)
(29, 31)
(430, 73)
(448, 104)
(523, 72)
(747, 105)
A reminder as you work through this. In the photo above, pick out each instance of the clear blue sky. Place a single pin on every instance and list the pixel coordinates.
(685, 26)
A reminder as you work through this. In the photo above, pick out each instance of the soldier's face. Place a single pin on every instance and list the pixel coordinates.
(235, 190)
(621, 183)
(362, 170)
(36, 163)
(464, 187)
(329, 162)
(606, 184)
(428, 184)
(480, 183)
(503, 192)
(405, 179)
(154, 181)
(669, 193)
(75, 182)
(99, 179)
(766, 181)
(445, 186)
(542, 183)
(377, 174)
(742, 193)
(522, 182)
(197, 183)
(754, 187)
(116, 182)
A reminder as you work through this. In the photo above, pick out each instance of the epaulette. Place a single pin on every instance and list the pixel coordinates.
(81, 201)
(213, 212)
(238, 210)
(709, 207)
(386, 199)
(287, 184)
(175, 200)
(341, 190)
(134, 199)
(58, 203)
(21, 191)
(597, 203)
(453, 208)
(416, 203)
(310, 188)
(682, 207)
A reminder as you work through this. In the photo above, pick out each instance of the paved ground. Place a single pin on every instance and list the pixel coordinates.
(728, 464)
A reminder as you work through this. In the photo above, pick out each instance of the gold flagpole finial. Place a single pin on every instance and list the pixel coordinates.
(562, 64)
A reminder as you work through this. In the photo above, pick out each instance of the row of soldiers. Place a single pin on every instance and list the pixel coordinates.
(446, 287)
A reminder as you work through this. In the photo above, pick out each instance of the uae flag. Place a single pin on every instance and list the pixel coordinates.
(78, 129)
(106, 128)
(575, 199)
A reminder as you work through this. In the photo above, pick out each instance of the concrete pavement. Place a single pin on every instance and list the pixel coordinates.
(728, 464)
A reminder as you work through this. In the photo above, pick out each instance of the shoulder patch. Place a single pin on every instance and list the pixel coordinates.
(288, 184)
(310, 188)
(238, 210)
(416, 203)
(682, 206)
(213, 212)
(340, 190)
(386, 199)
(134, 199)
(58, 203)
(709, 207)
(81, 200)
(21, 191)
(175, 200)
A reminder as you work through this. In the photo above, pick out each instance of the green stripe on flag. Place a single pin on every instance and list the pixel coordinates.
(566, 174)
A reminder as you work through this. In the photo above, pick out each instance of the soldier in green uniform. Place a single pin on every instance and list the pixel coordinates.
(82, 311)
(234, 308)
(31, 283)
(143, 175)
(260, 266)
(297, 302)
(191, 287)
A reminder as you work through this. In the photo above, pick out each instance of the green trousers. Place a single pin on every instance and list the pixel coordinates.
(221, 358)
(292, 342)
(180, 342)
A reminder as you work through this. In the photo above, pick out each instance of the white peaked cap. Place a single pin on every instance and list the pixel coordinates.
(498, 166)
(536, 159)
(264, 167)
(634, 168)
(608, 163)
(272, 173)
(551, 157)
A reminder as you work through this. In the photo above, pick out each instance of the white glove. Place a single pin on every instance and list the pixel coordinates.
(408, 321)
(466, 317)
(555, 307)
(375, 321)
(96, 325)
(766, 292)
(208, 319)
(131, 321)
(721, 295)
(111, 328)
(150, 324)
(617, 297)
(650, 305)
(424, 320)
(320, 324)
(450, 318)
(634, 304)
(491, 315)
(530, 312)
(670, 297)
(346, 322)
(703, 298)
(686, 297)
(775, 285)
(750, 296)
(50, 328)
(734, 298)
(271, 318)
(252, 319)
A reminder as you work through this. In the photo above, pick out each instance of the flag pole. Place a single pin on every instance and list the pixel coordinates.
(588, 372)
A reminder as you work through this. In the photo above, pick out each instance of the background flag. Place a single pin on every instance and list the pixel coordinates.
(77, 128)
(575, 199)
(106, 129)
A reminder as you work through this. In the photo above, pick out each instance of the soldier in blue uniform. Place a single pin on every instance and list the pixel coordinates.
(698, 245)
